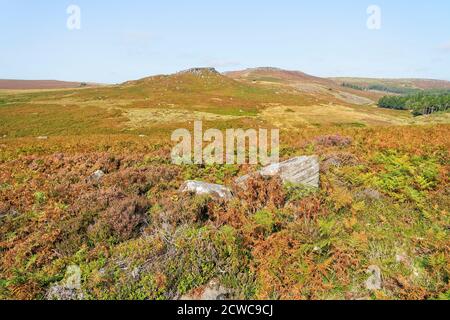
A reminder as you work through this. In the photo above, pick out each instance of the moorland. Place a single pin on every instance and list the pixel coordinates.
(382, 203)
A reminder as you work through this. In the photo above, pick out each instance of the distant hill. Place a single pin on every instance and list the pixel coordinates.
(40, 84)
(159, 104)
(269, 74)
(393, 85)
(197, 88)
(304, 83)
(198, 93)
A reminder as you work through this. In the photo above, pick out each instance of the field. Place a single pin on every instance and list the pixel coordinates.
(383, 200)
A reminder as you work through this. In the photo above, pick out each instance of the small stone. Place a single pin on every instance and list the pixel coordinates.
(97, 175)
(73, 277)
(136, 273)
(69, 288)
(42, 138)
(212, 291)
(374, 282)
(203, 188)
(62, 293)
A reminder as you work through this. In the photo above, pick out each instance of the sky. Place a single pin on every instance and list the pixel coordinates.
(123, 40)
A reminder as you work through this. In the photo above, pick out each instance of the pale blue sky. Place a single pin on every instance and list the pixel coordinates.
(121, 40)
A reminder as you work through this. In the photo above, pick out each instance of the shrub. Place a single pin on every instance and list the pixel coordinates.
(180, 210)
(333, 141)
(404, 177)
(40, 198)
(121, 221)
(296, 192)
(260, 192)
(338, 159)
(170, 269)
(264, 222)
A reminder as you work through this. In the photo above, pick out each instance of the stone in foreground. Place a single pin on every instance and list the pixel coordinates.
(97, 175)
(69, 288)
(374, 282)
(213, 291)
(203, 188)
(300, 170)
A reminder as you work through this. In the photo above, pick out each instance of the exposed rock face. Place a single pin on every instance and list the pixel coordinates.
(200, 71)
(203, 188)
(212, 291)
(301, 170)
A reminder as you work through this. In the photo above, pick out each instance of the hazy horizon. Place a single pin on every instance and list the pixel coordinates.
(223, 72)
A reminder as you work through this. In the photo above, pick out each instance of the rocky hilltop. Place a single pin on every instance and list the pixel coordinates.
(200, 71)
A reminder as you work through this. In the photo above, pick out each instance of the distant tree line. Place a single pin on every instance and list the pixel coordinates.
(380, 87)
(423, 103)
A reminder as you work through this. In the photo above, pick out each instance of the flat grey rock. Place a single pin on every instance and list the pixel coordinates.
(203, 188)
(374, 282)
(300, 170)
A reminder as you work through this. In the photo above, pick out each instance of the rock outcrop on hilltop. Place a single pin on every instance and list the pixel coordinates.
(199, 71)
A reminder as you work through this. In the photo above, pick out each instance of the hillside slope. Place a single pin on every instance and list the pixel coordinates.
(290, 100)
(400, 84)
(304, 83)
(270, 74)
(39, 84)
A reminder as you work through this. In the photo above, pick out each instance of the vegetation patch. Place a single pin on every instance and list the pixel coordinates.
(420, 103)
